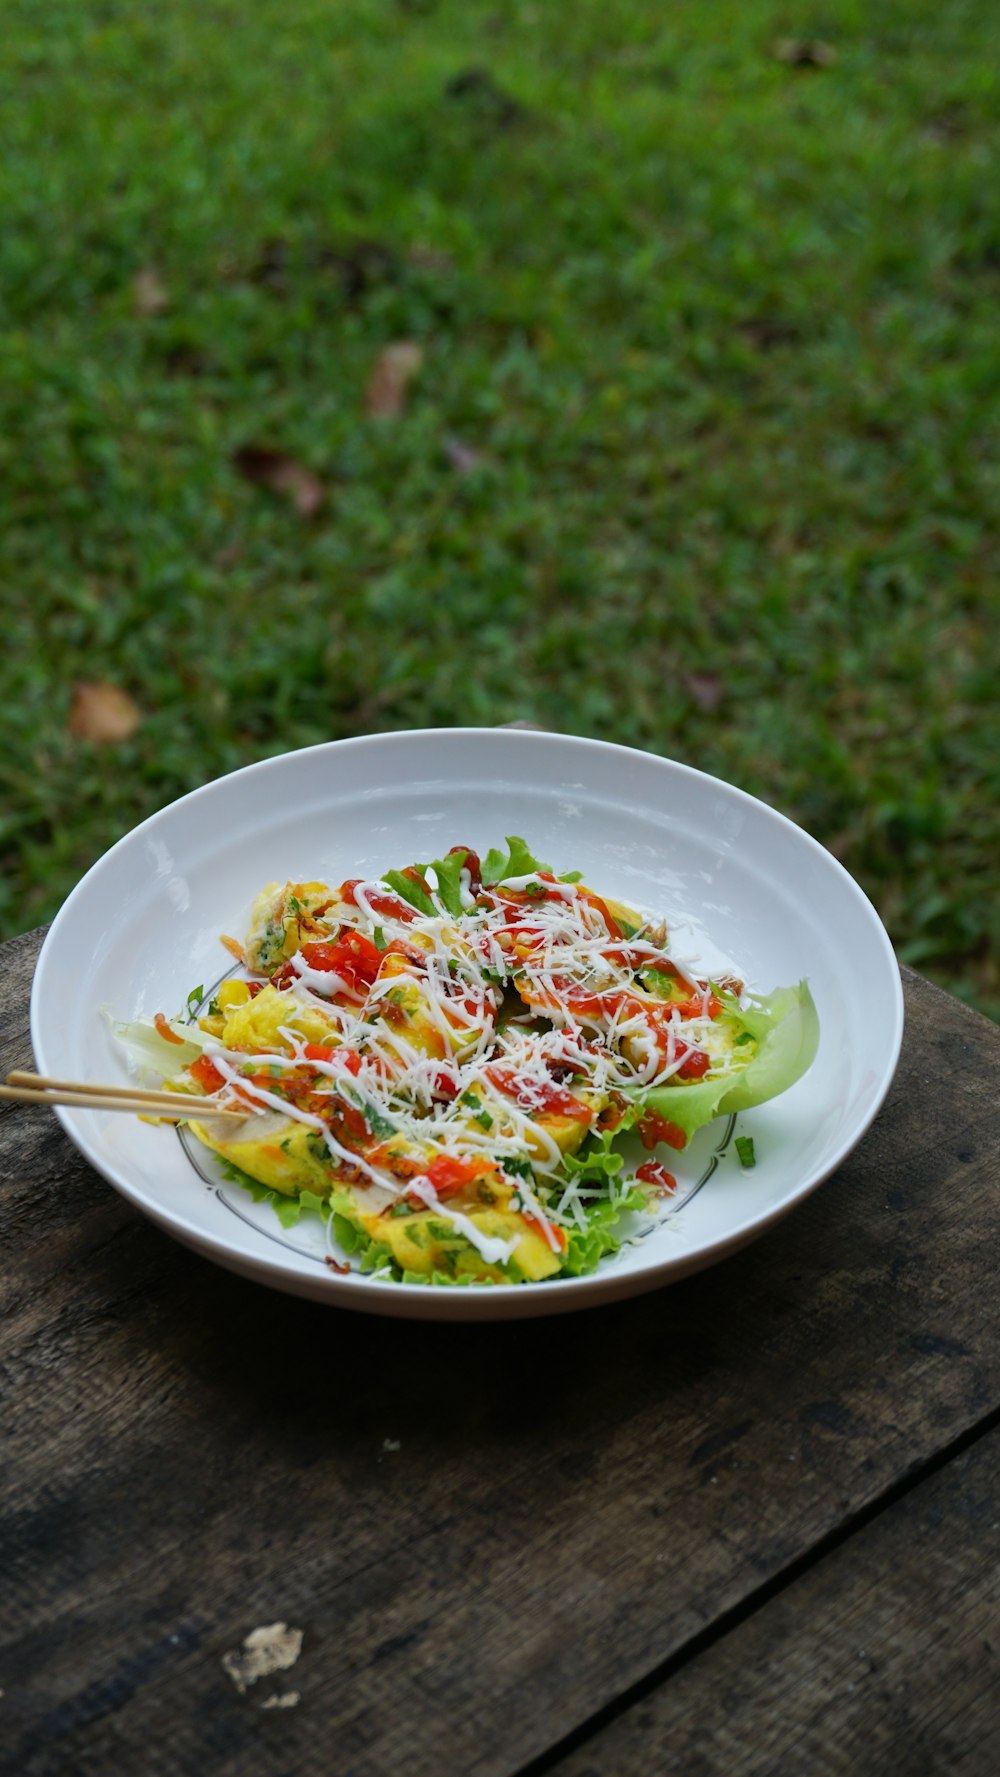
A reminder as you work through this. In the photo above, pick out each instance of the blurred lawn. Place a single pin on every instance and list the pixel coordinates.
(722, 332)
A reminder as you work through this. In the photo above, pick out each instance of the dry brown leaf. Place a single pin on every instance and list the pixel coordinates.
(230, 555)
(275, 469)
(705, 689)
(360, 265)
(184, 360)
(102, 713)
(149, 293)
(430, 259)
(395, 368)
(462, 457)
(478, 92)
(804, 52)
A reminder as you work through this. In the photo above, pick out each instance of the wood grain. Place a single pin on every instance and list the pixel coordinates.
(486, 1534)
(882, 1658)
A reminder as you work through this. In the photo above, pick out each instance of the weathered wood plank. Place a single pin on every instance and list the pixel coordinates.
(884, 1657)
(190, 1455)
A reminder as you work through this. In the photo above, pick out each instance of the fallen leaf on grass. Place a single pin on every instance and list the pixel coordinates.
(430, 259)
(271, 1648)
(358, 263)
(804, 52)
(102, 713)
(276, 470)
(705, 689)
(948, 124)
(394, 370)
(183, 360)
(271, 264)
(229, 555)
(149, 293)
(768, 332)
(361, 265)
(462, 457)
(477, 90)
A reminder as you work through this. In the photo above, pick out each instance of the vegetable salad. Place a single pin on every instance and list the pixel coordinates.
(444, 1061)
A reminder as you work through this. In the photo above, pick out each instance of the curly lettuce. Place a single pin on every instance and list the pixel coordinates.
(784, 1028)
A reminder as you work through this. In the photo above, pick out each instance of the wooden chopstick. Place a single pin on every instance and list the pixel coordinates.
(140, 1100)
(46, 1083)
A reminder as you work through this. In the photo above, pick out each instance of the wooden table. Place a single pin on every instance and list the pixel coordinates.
(747, 1524)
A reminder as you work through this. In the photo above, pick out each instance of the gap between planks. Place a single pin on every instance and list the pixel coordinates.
(753, 1602)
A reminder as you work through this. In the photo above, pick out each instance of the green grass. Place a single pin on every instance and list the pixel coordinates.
(723, 331)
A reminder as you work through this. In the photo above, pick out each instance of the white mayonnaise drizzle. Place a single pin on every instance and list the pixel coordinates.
(425, 1070)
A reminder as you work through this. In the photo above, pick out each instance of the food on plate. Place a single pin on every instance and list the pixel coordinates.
(445, 1061)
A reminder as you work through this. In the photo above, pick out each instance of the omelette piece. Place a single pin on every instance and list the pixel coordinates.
(427, 1242)
(538, 1113)
(398, 1001)
(255, 1025)
(283, 1155)
(629, 920)
(283, 918)
(437, 1019)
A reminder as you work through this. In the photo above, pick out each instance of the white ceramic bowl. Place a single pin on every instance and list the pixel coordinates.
(737, 882)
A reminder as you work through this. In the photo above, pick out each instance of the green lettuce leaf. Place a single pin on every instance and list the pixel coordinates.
(155, 1054)
(599, 1163)
(785, 1028)
(411, 891)
(287, 1209)
(587, 1247)
(518, 861)
(449, 881)
(357, 1243)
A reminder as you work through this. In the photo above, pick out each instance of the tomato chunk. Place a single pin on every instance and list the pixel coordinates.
(538, 1095)
(654, 1128)
(614, 928)
(352, 956)
(471, 863)
(652, 1173)
(379, 900)
(699, 1008)
(550, 1232)
(694, 1066)
(448, 1175)
(206, 1073)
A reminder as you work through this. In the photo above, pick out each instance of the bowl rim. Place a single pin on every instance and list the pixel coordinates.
(546, 1296)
